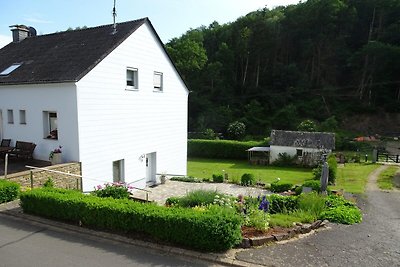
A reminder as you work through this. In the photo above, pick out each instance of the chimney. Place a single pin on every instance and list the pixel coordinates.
(19, 32)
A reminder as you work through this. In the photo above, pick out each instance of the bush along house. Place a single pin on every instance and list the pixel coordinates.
(109, 95)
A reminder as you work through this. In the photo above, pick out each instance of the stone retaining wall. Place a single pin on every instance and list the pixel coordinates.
(39, 177)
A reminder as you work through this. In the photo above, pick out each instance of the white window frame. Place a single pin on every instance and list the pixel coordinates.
(10, 69)
(158, 81)
(22, 116)
(50, 124)
(132, 78)
(10, 116)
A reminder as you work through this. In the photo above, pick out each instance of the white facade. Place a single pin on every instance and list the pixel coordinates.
(291, 151)
(104, 124)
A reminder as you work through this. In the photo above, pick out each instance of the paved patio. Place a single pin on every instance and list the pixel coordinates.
(18, 165)
(161, 192)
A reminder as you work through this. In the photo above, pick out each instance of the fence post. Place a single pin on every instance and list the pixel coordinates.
(31, 177)
(77, 183)
(397, 159)
(5, 166)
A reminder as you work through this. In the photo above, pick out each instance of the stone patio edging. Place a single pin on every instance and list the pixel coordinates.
(248, 242)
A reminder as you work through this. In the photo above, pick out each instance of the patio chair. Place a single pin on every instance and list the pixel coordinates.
(5, 142)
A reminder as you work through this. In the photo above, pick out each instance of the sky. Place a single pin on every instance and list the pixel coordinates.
(170, 18)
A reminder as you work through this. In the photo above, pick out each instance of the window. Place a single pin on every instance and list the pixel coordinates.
(158, 81)
(299, 152)
(22, 117)
(10, 69)
(10, 115)
(50, 126)
(118, 171)
(132, 78)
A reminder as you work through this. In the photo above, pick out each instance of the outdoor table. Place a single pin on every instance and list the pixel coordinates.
(5, 149)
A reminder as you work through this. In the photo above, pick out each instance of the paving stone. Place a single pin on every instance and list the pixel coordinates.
(281, 236)
(261, 240)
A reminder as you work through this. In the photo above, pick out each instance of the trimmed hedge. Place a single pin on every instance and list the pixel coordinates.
(216, 229)
(220, 149)
(282, 204)
(281, 187)
(8, 191)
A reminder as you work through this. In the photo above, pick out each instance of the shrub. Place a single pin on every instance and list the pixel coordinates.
(236, 130)
(282, 204)
(278, 187)
(214, 229)
(285, 160)
(187, 179)
(317, 172)
(218, 178)
(196, 198)
(258, 219)
(342, 214)
(247, 179)
(114, 190)
(8, 191)
(340, 210)
(313, 184)
(49, 183)
(220, 149)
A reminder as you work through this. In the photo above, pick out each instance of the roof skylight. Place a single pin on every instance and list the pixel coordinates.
(10, 69)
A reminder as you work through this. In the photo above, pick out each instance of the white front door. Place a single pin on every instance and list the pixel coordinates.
(151, 168)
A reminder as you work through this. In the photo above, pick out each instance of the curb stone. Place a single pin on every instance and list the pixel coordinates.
(13, 209)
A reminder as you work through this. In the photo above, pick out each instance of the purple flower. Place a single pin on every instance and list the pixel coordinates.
(264, 205)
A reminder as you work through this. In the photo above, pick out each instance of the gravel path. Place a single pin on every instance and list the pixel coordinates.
(374, 242)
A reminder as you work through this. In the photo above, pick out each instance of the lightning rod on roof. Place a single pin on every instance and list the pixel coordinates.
(114, 16)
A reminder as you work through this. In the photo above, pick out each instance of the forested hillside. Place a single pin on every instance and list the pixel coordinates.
(319, 60)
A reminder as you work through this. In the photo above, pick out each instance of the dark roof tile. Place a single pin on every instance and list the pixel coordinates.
(303, 139)
(64, 56)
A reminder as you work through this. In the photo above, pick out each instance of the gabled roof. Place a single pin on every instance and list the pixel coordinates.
(64, 56)
(303, 139)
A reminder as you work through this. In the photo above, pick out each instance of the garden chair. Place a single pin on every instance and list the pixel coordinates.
(5, 142)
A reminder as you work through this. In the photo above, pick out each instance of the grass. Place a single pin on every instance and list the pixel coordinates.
(385, 179)
(205, 168)
(352, 177)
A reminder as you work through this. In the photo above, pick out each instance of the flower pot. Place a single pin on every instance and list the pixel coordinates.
(56, 159)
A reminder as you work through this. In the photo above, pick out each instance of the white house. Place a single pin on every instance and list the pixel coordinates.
(307, 146)
(112, 98)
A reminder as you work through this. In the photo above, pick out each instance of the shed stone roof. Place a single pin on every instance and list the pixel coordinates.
(317, 140)
(64, 56)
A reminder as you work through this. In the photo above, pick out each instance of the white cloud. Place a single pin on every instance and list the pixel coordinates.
(5, 40)
(36, 20)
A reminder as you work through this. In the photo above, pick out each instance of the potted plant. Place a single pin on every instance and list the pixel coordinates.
(55, 156)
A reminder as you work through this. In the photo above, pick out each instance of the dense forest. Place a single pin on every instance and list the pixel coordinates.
(322, 60)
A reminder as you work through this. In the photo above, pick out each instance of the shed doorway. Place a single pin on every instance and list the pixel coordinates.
(151, 168)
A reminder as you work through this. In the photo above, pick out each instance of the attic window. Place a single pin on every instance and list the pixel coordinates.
(10, 69)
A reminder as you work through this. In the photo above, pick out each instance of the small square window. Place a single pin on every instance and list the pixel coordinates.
(10, 115)
(158, 81)
(299, 152)
(132, 81)
(22, 117)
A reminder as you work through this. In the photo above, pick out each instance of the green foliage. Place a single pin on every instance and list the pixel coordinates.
(219, 149)
(114, 190)
(214, 229)
(218, 178)
(385, 179)
(236, 130)
(278, 187)
(342, 214)
(313, 184)
(340, 210)
(312, 203)
(8, 191)
(282, 204)
(247, 179)
(49, 183)
(257, 219)
(187, 179)
(317, 172)
(307, 126)
(329, 125)
(194, 198)
(285, 160)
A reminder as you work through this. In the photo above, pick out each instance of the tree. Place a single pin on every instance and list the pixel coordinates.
(236, 130)
(307, 126)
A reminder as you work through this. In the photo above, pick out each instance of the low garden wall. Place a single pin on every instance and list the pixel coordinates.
(37, 177)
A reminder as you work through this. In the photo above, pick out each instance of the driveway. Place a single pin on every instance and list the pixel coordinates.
(374, 242)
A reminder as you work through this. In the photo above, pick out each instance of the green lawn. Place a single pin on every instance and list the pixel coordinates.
(385, 180)
(352, 177)
(205, 168)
